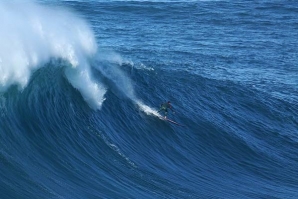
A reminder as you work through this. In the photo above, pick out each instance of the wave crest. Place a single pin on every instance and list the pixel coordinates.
(32, 34)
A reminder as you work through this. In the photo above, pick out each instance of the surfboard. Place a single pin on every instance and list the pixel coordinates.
(171, 121)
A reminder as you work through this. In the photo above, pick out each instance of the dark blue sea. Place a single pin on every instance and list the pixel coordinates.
(81, 83)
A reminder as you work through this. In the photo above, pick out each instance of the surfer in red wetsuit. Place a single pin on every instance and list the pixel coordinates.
(164, 107)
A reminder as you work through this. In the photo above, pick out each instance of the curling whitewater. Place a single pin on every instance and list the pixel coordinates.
(37, 34)
(50, 33)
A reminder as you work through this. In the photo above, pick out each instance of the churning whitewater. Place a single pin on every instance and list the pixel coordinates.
(32, 35)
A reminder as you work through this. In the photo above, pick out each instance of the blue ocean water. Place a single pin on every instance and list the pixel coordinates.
(81, 83)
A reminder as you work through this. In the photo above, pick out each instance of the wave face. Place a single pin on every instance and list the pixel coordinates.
(81, 83)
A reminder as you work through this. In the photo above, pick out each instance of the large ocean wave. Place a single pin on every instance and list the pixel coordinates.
(36, 35)
(81, 121)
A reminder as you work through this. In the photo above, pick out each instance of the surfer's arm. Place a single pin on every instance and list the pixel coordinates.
(172, 109)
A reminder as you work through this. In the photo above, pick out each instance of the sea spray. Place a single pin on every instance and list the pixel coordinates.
(31, 35)
(109, 64)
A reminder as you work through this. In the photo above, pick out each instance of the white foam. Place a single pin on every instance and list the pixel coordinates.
(32, 34)
(92, 92)
(114, 72)
(147, 109)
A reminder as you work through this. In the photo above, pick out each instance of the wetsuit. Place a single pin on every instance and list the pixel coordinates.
(164, 107)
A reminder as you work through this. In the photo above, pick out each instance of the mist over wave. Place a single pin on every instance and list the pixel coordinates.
(32, 35)
(109, 65)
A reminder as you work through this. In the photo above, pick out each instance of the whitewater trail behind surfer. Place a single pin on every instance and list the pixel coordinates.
(109, 65)
(147, 109)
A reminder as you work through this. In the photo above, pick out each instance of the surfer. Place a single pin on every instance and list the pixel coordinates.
(164, 107)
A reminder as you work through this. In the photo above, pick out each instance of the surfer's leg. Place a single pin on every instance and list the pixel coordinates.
(161, 109)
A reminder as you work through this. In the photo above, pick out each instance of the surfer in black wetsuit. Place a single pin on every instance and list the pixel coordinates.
(164, 107)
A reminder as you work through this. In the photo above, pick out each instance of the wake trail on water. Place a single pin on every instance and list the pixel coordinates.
(109, 64)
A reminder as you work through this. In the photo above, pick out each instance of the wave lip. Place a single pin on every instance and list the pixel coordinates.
(32, 34)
